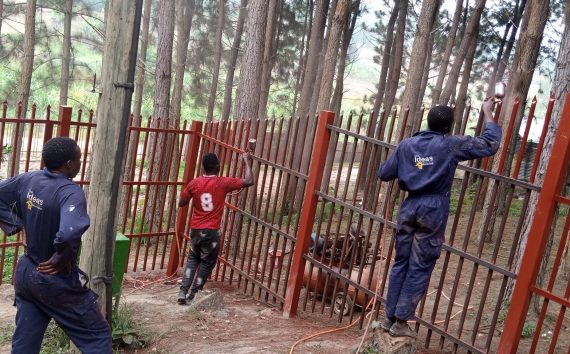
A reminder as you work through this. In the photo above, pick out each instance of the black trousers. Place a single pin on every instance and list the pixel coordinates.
(202, 258)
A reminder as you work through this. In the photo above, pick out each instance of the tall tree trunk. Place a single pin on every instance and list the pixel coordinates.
(317, 84)
(447, 53)
(386, 58)
(229, 86)
(65, 53)
(113, 110)
(506, 56)
(217, 59)
(184, 25)
(247, 100)
(303, 56)
(163, 74)
(25, 79)
(341, 67)
(396, 59)
(331, 55)
(311, 66)
(426, 20)
(526, 55)
(560, 88)
(139, 90)
(1, 19)
(462, 94)
(425, 77)
(268, 55)
(453, 77)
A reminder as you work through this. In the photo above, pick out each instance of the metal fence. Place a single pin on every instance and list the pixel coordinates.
(322, 240)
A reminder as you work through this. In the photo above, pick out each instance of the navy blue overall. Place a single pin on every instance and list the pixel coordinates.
(53, 212)
(424, 165)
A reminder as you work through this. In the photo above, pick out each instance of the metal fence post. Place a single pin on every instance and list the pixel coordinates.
(182, 215)
(538, 235)
(318, 159)
(65, 120)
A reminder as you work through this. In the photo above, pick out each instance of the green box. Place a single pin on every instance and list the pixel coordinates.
(119, 262)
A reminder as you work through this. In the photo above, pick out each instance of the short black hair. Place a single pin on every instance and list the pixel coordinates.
(440, 118)
(57, 151)
(210, 162)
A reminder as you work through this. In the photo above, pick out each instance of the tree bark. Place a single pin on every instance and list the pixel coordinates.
(184, 25)
(229, 86)
(268, 58)
(560, 88)
(506, 56)
(1, 19)
(386, 58)
(423, 84)
(396, 59)
(25, 78)
(461, 100)
(217, 59)
(447, 53)
(426, 20)
(526, 55)
(341, 67)
(247, 100)
(453, 77)
(113, 112)
(303, 55)
(65, 53)
(331, 55)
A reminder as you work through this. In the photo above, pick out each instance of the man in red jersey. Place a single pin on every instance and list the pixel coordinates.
(208, 193)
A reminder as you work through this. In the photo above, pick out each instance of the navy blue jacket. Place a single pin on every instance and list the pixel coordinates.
(50, 207)
(425, 163)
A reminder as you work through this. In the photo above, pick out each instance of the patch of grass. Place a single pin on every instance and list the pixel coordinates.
(55, 340)
(127, 331)
(6, 334)
(528, 329)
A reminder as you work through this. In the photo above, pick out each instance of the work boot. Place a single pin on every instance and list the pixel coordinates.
(386, 324)
(401, 329)
(191, 296)
(182, 297)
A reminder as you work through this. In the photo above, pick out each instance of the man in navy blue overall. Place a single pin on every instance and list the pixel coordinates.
(52, 210)
(424, 165)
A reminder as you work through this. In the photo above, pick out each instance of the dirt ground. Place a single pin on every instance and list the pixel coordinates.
(236, 324)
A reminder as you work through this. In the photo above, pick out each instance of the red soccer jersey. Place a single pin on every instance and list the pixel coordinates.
(208, 194)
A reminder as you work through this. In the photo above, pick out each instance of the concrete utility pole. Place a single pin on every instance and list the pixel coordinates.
(122, 25)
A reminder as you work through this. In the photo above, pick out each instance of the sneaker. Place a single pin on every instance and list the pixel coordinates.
(386, 324)
(182, 298)
(191, 296)
(401, 329)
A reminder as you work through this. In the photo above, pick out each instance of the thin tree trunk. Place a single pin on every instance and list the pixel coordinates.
(396, 60)
(65, 53)
(451, 82)
(427, 16)
(341, 67)
(303, 55)
(331, 55)
(528, 48)
(386, 58)
(247, 100)
(510, 44)
(447, 53)
(229, 86)
(184, 25)
(268, 55)
(217, 59)
(423, 84)
(161, 144)
(1, 19)
(462, 95)
(113, 110)
(560, 88)
(25, 79)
